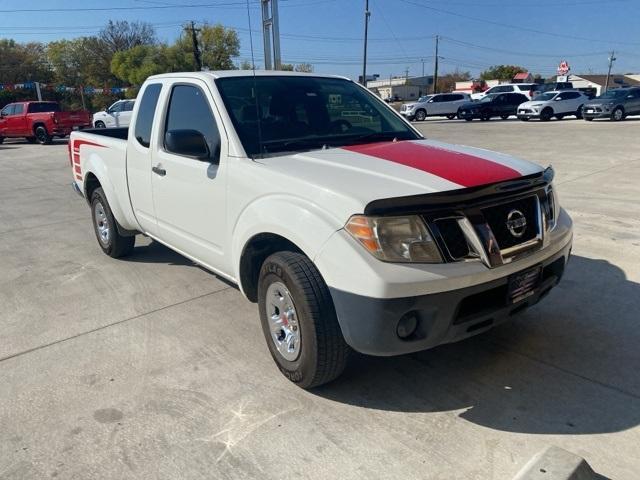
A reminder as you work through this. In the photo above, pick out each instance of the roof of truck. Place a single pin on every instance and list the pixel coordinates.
(243, 73)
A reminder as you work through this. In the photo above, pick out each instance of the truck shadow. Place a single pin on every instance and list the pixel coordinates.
(568, 366)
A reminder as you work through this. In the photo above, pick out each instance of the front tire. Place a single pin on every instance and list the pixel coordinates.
(299, 320)
(42, 136)
(106, 228)
(546, 114)
(421, 115)
(451, 117)
(618, 114)
(100, 124)
(579, 112)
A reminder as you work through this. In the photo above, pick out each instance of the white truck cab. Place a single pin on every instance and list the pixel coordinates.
(328, 209)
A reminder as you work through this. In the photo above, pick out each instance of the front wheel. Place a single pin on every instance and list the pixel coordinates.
(100, 124)
(579, 112)
(299, 320)
(546, 114)
(617, 114)
(451, 117)
(42, 136)
(106, 227)
(421, 115)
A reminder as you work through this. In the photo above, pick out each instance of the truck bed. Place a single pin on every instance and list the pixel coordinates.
(121, 132)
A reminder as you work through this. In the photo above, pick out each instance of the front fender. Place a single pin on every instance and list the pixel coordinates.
(300, 221)
(116, 194)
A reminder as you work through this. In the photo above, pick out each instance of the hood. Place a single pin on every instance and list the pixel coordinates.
(533, 102)
(468, 105)
(409, 105)
(603, 101)
(344, 180)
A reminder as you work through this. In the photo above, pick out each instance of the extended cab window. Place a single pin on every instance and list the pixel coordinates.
(189, 110)
(18, 109)
(275, 114)
(144, 120)
(42, 107)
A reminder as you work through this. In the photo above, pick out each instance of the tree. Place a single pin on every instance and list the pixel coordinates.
(304, 67)
(501, 72)
(218, 45)
(447, 82)
(122, 35)
(81, 61)
(138, 63)
(286, 67)
(23, 62)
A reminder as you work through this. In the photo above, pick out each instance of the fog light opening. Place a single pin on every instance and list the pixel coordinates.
(407, 325)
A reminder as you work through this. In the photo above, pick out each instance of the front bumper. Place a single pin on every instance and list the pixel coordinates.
(596, 111)
(370, 325)
(408, 114)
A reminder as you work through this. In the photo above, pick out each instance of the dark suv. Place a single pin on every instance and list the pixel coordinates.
(501, 105)
(614, 104)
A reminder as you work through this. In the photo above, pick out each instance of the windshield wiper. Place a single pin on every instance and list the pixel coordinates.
(377, 136)
(278, 145)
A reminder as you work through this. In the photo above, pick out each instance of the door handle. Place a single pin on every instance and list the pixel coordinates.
(159, 171)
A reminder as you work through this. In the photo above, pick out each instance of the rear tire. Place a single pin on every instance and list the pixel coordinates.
(299, 320)
(421, 115)
(105, 227)
(100, 124)
(579, 112)
(42, 136)
(451, 117)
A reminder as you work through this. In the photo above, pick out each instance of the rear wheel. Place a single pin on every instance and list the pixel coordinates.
(546, 114)
(299, 320)
(421, 115)
(617, 114)
(106, 227)
(42, 136)
(451, 117)
(579, 112)
(100, 124)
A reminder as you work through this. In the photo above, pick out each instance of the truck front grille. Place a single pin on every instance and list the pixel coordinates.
(453, 238)
(498, 219)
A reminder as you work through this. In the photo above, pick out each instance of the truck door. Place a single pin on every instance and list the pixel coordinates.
(139, 147)
(5, 114)
(18, 120)
(189, 185)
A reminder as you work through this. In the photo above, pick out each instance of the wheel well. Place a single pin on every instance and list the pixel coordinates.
(91, 182)
(36, 125)
(255, 252)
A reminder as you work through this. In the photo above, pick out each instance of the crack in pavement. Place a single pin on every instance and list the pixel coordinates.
(104, 327)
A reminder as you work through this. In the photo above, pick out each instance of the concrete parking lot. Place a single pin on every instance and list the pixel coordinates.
(150, 367)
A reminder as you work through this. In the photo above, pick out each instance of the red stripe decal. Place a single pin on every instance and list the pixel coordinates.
(461, 168)
(77, 169)
(78, 143)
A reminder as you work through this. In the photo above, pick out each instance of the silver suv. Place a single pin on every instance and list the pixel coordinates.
(438, 105)
(615, 104)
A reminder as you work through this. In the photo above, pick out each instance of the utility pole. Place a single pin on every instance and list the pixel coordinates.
(367, 14)
(612, 59)
(271, 30)
(194, 40)
(38, 93)
(435, 69)
(422, 60)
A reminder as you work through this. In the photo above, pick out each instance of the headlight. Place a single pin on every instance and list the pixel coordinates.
(537, 105)
(395, 239)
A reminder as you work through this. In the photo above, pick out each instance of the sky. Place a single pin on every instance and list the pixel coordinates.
(474, 34)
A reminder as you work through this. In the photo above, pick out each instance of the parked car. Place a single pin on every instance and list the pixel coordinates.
(117, 115)
(438, 105)
(615, 104)
(40, 121)
(501, 105)
(527, 89)
(349, 235)
(553, 104)
(552, 87)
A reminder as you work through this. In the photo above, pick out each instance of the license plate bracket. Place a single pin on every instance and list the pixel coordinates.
(523, 284)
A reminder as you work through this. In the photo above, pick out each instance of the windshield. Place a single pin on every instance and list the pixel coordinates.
(545, 96)
(424, 99)
(275, 114)
(614, 94)
(42, 107)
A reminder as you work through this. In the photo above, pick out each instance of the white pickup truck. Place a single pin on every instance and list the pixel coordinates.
(328, 209)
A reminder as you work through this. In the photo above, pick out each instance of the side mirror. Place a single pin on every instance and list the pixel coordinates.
(2, 115)
(189, 143)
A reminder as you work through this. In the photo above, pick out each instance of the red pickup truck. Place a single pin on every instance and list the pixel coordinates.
(40, 121)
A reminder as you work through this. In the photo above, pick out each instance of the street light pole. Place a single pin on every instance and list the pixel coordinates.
(367, 14)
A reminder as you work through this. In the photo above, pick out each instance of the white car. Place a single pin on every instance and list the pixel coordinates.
(527, 89)
(557, 104)
(438, 105)
(349, 232)
(117, 115)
